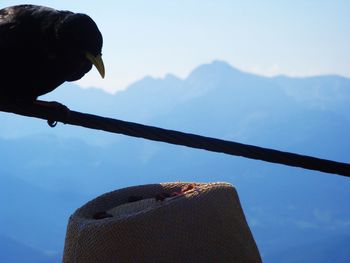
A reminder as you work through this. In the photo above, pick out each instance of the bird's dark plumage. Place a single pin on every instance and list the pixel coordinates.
(40, 48)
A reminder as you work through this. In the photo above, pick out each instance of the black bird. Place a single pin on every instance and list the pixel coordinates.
(40, 48)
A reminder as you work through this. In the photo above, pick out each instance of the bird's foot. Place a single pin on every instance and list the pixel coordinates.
(56, 109)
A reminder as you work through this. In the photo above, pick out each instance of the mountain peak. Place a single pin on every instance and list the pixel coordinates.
(220, 64)
(170, 76)
(214, 69)
(217, 65)
(211, 74)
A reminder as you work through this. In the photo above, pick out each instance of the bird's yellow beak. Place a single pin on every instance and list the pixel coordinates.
(97, 62)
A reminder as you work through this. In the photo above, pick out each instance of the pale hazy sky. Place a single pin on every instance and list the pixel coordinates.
(155, 37)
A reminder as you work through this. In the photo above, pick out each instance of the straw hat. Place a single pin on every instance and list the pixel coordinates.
(168, 222)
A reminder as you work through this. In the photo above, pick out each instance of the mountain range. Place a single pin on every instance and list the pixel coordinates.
(47, 173)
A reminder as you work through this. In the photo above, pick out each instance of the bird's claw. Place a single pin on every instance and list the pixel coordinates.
(58, 111)
(52, 123)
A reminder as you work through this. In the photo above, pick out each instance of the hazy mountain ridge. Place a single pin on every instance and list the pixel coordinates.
(334, 249)
(67, 165)
(13, 252)
(213, 93)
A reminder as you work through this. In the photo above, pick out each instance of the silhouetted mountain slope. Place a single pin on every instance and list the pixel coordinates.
(335, 249)
(59, 169)
(215, 99)
(12, 251)
(30, 214)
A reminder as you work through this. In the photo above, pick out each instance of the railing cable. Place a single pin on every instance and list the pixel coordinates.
(60, 114)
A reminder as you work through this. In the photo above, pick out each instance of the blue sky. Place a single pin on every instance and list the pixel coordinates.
(156, 37)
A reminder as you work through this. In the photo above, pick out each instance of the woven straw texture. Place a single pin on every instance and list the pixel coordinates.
(203, 224)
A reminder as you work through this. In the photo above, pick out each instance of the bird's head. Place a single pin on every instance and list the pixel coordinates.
(81, 41)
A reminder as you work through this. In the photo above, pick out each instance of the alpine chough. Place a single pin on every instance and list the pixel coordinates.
(40, 48)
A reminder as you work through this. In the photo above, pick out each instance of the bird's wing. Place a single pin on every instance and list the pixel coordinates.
(19, 20)
(21, 39)
(9, 39)
(7, 27)
(12, 31)
(20, 27)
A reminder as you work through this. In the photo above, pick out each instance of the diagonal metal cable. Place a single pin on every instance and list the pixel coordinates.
(60, 114)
